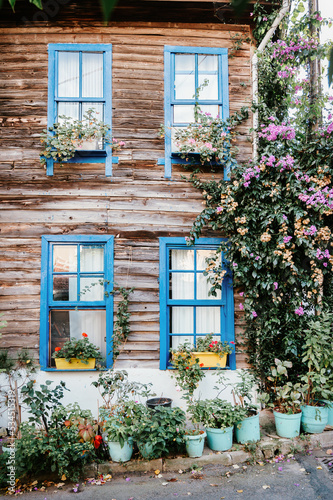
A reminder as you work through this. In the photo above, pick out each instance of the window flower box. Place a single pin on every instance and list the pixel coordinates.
(75, 364)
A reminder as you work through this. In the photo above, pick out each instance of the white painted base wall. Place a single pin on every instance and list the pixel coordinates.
(88, 397)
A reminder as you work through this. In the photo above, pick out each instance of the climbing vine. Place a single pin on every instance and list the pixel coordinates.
(277, 211)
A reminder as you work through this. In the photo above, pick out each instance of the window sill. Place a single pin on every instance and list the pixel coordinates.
(71, 370)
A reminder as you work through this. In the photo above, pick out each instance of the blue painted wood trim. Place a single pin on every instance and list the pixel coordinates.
(46, 303)
(107, 97)
(169, 100)
(44, 316)
(226, 304)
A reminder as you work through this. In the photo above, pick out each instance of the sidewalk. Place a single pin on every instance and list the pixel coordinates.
(268, 447)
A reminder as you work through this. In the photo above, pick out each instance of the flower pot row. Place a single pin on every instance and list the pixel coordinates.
(311, 419)
(246, 431)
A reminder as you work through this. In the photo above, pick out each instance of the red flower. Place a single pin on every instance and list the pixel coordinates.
(57, 349)
(187, 368)
(97, 441)
(201, 364)
(231, 342)
(84, 335)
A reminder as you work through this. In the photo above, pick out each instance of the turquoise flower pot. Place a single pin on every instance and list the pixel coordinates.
(121, 454)
(219, 439)
(287, 426)
(314, 418)
(248, 430)
(195, 444)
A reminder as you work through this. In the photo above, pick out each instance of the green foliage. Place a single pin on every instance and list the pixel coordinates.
(115, 388)
(61, 140)
(121, 421)
(285, 397)
(215, 413)
(81, 349)
(161, 430)
(318, 358)
(187, 372)
(121, 325)
(207, 344)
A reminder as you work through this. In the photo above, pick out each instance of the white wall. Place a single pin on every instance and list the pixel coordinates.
(87, 396)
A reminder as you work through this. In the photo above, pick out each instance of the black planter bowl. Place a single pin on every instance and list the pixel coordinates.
(155, 402)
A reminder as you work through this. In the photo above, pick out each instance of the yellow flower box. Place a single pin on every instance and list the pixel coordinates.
(75, 364)
(210, 359)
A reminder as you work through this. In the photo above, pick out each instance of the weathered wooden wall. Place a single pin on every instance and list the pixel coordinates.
(137, 204)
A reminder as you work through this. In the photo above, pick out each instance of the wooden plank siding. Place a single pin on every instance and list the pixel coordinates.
(137, 204)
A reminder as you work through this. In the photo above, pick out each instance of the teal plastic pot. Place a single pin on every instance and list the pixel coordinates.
(314, 418)
(121, 454)
(248, 430)
(219, 439)
(195, 444)
(287, 426)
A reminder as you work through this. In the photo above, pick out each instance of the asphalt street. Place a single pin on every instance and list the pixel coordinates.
(303, 477)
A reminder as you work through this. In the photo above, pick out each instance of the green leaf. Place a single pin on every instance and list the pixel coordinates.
(38, 3)
(107, 8)
(12, 4)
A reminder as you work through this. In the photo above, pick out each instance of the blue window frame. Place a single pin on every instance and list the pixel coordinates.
(187, 311)
(80, 79)
(186, 69)
(76, 298)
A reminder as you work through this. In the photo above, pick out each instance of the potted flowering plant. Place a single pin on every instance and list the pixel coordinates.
(67, 137)
(187, 371)
(77, 354)
(285, 398)
(218, 417)
(119, 429)
(212, 353)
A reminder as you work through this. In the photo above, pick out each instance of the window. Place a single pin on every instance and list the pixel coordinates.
(192, 75)
(79, 80)
(77, 276)
(187, 311)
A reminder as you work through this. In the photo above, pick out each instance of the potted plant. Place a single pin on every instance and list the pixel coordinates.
(212, 353)
(119, 428)
(218, 417)
(248, 429)
(195, 437)
(67, 137)
(115, 389)
(77, 354)
(317, 382)
(286, 398)
(157, 433)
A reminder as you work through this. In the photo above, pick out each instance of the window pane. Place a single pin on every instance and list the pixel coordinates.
(91, 289)
(91, 258)
(208, 320)
(92, 74)
(181, 286)
(68, 74)
(96, 106)
(208, 71)
(182, 259)
(183, 114)
(181, 321)
(202, 255)
(68, 109)
(71, 324)
(65, 288)
(203, 287)
(212, 110)
(65, 258)
(184, 76)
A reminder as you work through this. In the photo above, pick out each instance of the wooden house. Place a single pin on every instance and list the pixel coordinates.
(119, 218)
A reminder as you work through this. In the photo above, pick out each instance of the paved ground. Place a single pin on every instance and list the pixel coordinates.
(303, 477)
